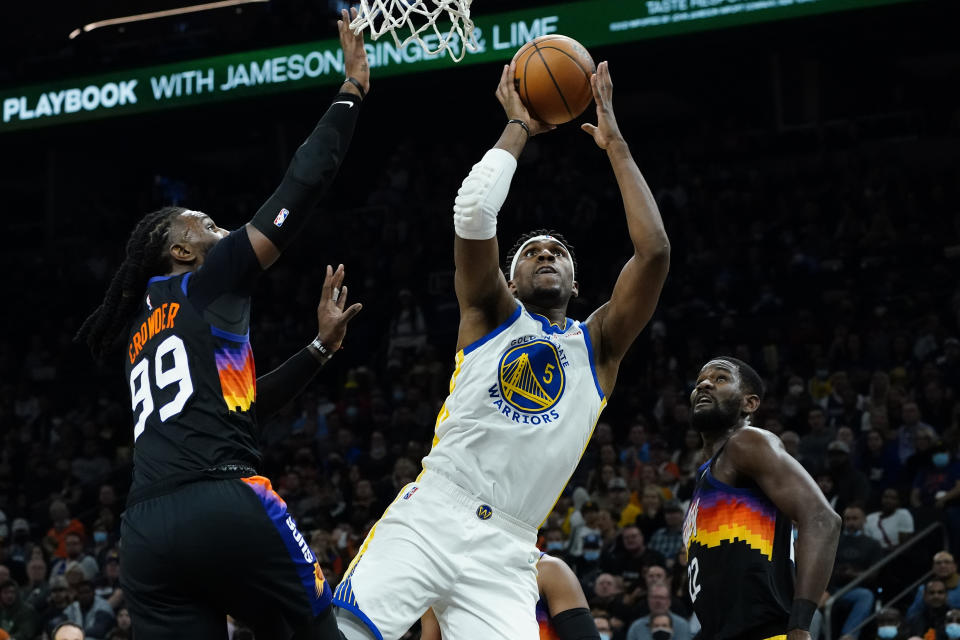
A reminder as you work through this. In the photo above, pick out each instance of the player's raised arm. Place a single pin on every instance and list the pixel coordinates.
(315, 164)
(761, 456)
(635, 295)
(485, 301)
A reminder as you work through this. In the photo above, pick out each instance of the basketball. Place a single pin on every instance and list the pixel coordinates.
(553, 78)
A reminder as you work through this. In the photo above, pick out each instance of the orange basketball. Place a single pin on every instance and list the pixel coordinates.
(553, 78)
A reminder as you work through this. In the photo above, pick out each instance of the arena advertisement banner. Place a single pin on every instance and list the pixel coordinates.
(293, 67)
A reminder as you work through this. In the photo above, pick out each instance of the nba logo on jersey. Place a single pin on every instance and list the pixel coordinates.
(407, 495)
(484, 512)
(278, 221)
(531, 376)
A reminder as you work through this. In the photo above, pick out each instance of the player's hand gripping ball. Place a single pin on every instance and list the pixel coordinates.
(553, 78)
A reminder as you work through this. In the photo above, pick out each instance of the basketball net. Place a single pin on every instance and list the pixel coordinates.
(418, 17)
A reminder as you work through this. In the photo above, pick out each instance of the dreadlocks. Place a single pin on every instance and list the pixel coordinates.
(533, 234)
(106, 328)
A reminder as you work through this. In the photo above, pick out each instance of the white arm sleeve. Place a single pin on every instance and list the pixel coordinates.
(482, 194)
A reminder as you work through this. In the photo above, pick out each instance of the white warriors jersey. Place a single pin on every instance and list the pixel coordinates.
(523, 402)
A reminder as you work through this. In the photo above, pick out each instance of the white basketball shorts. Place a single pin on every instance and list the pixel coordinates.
(438, 546)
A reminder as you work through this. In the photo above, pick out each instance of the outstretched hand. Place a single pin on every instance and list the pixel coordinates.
(355, 62)
(332, 319)
(606, 131)
(510, 99)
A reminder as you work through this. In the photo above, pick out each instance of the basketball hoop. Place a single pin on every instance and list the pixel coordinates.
(418, 17)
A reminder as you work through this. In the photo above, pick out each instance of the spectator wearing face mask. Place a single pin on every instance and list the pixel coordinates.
(658, 599)
(101, 542)
(588, 564)
(582, 529)
(554, 542)
(936, 492)
(889, 625)
(661, 627)
(603, 627)
(951, 625)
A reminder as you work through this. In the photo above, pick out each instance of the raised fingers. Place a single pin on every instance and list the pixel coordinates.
(349, 313)
(504, 81)
(327, 291)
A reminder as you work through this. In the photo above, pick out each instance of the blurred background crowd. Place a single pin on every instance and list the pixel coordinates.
(817, 238)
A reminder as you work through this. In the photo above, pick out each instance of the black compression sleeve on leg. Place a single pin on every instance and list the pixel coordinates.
(312, 170)
(575, 624)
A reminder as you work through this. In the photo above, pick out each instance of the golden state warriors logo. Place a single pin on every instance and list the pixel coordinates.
(531, 378)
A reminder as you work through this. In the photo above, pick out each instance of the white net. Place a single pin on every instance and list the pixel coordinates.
(417, 20)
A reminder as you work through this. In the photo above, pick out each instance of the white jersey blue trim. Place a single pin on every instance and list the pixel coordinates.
(522, 406)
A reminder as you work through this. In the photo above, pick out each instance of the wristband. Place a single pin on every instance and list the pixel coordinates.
(801, 613)
(357, 84)
(324, 353)
(523, 124)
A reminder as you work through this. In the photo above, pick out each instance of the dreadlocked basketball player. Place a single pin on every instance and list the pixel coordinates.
(739, 527)
(203, 534)
(527, 390)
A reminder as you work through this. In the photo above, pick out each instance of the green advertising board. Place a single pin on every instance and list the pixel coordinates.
(310, 64)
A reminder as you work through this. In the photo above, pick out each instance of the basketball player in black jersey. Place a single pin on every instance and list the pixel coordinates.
(204, 535)
(748, 579)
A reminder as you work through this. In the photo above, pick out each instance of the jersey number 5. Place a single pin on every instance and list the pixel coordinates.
(179, 372)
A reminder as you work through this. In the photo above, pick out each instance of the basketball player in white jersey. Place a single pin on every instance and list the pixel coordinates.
(527, 390)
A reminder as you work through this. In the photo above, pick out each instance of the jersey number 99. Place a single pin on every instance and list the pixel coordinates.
(141, 390)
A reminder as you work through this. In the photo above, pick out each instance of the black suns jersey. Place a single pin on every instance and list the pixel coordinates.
(191, 374)
(739, 560)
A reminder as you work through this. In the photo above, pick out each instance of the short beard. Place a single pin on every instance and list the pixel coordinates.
(719, 417)
(546, 297)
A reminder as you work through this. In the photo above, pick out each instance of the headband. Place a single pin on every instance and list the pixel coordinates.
(516, 256)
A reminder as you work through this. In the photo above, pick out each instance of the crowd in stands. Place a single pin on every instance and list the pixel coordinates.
(828, 263)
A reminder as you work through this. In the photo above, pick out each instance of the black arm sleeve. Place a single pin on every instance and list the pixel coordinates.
(283, 384)
(312, 170)
(575, 624)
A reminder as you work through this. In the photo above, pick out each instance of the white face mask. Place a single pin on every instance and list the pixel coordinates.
(887, 631)
(605, 635)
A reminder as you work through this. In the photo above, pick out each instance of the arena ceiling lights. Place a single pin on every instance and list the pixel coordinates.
(153, 15)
